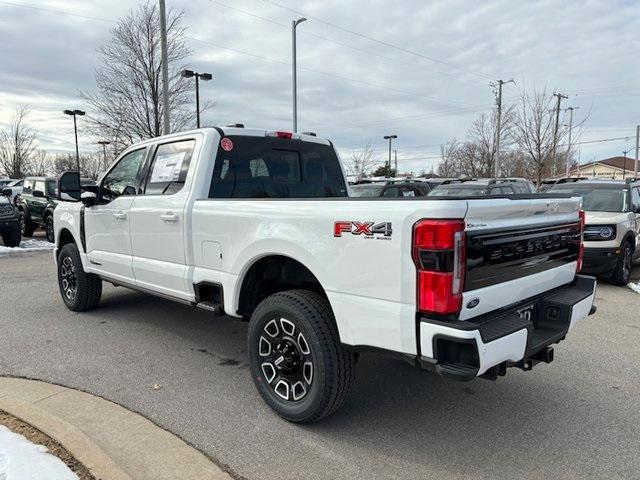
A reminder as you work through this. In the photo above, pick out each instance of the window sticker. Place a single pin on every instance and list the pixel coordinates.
(167, 167)
(226, 144)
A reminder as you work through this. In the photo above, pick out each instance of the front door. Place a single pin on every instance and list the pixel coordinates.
(158, 223)
(107, 224)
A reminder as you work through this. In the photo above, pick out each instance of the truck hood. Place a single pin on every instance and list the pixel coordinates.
(599, 218)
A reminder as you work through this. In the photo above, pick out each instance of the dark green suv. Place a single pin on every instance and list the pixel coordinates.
(37, 202)
(9, 221)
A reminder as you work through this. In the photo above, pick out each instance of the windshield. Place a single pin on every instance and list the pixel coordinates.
(366, 190)
(4, 182)
(458, 191)
(595, 198)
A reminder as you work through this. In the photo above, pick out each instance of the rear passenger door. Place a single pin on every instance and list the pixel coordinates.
(158, 222)
(37, 204)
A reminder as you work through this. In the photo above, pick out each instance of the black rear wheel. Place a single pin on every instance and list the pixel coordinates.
(622, 273)
(12, 239)
(26, 225)
(80, 291)
(297, 362)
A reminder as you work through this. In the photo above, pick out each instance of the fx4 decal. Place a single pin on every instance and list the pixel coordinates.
(381, 231)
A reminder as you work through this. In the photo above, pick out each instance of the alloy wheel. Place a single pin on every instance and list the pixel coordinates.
(69, 278)
(286, 359)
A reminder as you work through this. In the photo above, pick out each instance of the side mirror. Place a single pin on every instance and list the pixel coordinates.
(38, 193)
(7, 192)
(68, 186)
(88, 199)
(129, 190)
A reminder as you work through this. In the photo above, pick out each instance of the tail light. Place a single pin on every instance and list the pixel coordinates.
(581, 245)
(280, 134)
(440, 257)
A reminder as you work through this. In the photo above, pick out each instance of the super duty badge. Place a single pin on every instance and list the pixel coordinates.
(380, 231)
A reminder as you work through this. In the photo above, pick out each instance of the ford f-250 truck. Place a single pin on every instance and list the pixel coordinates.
(258, 225)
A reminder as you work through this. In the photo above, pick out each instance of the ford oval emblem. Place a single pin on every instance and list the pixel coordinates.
(473, 303)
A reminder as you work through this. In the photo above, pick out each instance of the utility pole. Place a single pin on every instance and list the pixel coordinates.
(635, 167)
(389, 137)
(165, 69)
(554, 166)
(104, 144)
(624, 165)
(571, 109)
(496, 163)
(294, 24)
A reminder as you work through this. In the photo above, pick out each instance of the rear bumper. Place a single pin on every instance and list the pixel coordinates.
(520, 335)
(600, 261)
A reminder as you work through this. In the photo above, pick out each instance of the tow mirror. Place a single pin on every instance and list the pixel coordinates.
(7, 192)
(68, 186)
(88, 199)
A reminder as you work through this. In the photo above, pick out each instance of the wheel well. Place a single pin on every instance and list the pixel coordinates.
(65, 237)
(631, 239)
(271, 275)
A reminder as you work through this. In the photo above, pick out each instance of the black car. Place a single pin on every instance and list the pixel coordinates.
(390, 189)
(9, 221)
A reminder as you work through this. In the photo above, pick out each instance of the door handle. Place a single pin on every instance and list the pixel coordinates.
(120, 216)
(169, 217)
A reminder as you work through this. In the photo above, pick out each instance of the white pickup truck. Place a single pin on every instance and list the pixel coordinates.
(258, 225)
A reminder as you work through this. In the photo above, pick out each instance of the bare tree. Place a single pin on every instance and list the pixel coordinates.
(41, 163)
(362, 162)
(92, 165)
(533, 133)
(128, 105)
(17, 145)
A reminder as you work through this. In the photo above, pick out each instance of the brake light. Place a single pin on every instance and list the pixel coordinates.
(581, 216)
(440, 257)
(280, 134)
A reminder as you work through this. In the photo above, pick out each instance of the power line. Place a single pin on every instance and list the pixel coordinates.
(59, 12)
(327, 39)
(381, 42)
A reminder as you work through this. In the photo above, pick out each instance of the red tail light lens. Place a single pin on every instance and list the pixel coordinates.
(280, 134)
(581, 246)
(439, 255)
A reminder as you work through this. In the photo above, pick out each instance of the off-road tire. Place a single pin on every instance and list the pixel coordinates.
(333, 367)
(86, 288)
(49, 229)
(622, 273)
(12, 239)
(27, 225)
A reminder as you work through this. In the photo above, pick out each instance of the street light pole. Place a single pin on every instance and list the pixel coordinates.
(165, 69)
(390, 137)
(204, 76)
(294, 24)
(74, 114)
(635, 167)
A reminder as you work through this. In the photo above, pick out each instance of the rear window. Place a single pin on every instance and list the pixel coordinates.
(256, 167)
(458, 191)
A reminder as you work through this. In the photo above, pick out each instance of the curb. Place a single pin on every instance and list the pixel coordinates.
(111, 441)
(73, 440)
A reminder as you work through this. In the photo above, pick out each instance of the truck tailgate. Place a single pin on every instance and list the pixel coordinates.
(531, 243)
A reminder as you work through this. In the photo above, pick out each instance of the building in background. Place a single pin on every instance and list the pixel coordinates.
(614, 167)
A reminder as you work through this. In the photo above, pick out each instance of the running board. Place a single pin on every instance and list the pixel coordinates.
(216, 308)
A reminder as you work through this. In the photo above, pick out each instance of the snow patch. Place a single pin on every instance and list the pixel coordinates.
(20, 459)
(30, 245)
(634, 286)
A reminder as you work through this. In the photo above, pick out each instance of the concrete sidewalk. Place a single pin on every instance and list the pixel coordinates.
(112, 442)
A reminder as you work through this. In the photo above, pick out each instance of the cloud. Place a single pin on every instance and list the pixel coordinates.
(351, 89)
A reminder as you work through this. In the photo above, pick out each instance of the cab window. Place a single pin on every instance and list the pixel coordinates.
(39, 186)
(635, 199)
(169, 168)
(124, 177)
(27, 188)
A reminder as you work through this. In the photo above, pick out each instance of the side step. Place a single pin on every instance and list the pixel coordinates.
(209, 297)
(216, 308)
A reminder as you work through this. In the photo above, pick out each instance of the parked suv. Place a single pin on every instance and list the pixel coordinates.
(390, 189)
(9, 220)
(37, 203)
(474, 187)
(14, 185)
(612, 230)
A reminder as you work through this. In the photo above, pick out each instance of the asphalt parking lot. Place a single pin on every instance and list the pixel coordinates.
(577, 417)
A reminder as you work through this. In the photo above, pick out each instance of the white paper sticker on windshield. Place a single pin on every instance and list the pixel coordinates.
(167, 167)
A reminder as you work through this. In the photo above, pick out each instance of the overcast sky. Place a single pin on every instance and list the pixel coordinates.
(352, 89)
